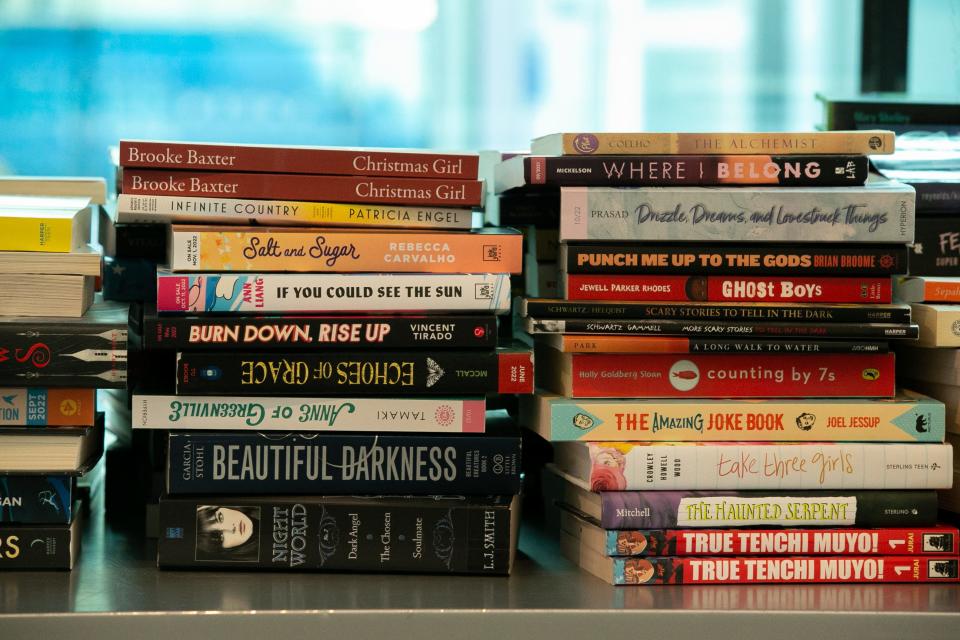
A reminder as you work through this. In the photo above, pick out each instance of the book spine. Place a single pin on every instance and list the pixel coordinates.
(63, 354)
(721, 542)
(864, 114)
(157, 209)
(832, 142)
(148, 241)
(39, 407)
(775, 312)
(129, 279)
(671, 170)
(541, 210)
(847, 465)
(722, 329)
(936, 250)
(572, 343)
(929, 289)
(375, 332)
(363, 373)
(726, 289)
(36, 499)
(307, 464)
(785, 570)
(743, 214)
(394, 415)
(939, 326)
(683, 509)
(264, 159)
(288, 186)
(898, 420)
(383, 535)
(331, 293)
(742, 260)
(937, 197)
(344, 251)
(36, 233)
(30, 547)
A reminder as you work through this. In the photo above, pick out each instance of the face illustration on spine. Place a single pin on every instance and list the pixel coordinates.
(229, 534)
(696, 288)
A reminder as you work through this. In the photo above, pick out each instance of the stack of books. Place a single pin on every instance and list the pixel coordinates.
(302, 440)
(719, 357)
(55, 351)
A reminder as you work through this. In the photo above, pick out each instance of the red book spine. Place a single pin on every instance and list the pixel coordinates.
(785, 570)
(288, 186)
(728, 375)
(264, 159)
(939, 540)
(640, 288)
(515, 372)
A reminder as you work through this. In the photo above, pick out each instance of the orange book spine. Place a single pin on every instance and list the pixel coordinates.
(195, 248)
(39, 407)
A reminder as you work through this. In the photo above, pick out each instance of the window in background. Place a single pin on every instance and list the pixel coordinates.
(453, 74)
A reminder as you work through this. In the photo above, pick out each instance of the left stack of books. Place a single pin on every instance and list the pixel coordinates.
(330, 374)
(57, 346)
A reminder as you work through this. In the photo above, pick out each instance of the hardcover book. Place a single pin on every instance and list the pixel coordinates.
(332, 293)
(41, 407)
(623, 466)
(881, 211)
(431, 534)
(885, 110)
(36, 499)
(32, 547)
(197, 248)
(928, 289)
(936, 249)
(908, 417)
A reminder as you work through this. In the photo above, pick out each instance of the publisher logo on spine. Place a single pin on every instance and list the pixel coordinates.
(684, 375)
(875, 142)
(955, 328)
(586, 143)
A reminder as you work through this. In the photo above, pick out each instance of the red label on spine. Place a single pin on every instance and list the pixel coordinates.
(730, 376)
(653, 288)
(515, 371)
(538, 170)
(280, 186)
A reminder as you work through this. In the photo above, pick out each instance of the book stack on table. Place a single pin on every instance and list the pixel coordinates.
(323, 347)
(719, 358)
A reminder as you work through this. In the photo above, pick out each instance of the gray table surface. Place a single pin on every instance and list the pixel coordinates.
(115, 591)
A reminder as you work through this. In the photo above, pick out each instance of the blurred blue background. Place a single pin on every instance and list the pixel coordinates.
(76, 76)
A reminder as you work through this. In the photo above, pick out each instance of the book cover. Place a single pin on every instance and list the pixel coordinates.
(871, 142)
(671, 170)
(732, 259)
(384, 534)
(505, 370)
(726, 312)
(32, 547)
(198, 248)
(332, 293)
(336, 464)
(164, 209)
(36, 499)
(644, 288)
(320, 332)
(297, 159)
(881, 211)
(575, 343)
(908, 417)
(623, 466)
(377, 415)
(288, 186)
(41, 407)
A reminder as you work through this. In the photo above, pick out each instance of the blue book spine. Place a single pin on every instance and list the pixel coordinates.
(37, 499)
(327, 464)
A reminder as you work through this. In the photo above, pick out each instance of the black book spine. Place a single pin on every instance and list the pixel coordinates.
(147, 241)
(327, 464)
(936, 248)
(321, 334)
(838, 330)
(63, 354)
(33, 547)
(752, 312)
(36, 499)
(540, 209)
(356, 373)
(882, 115)
(380, 534)
(937, 197)
(652, 171)
(766, 260)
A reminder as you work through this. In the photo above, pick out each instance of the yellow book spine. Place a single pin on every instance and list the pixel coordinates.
(29, 233)
(814, 142)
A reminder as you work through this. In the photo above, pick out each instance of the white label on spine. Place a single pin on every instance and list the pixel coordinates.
(786, 511)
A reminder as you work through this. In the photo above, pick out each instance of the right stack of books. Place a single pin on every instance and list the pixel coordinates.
(719, 361)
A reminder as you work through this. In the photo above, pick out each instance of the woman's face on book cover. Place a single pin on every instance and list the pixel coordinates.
(234, 526)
